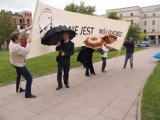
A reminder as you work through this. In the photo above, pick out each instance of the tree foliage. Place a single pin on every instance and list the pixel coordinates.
(113, 15)
(6, 26)
(134, 31)
(142, 36)
(82, 8)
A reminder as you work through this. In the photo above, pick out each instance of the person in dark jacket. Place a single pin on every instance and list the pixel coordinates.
(66, 49)
(129, 45)
(88, 62)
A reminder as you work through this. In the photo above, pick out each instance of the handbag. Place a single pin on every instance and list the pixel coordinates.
(101, 51)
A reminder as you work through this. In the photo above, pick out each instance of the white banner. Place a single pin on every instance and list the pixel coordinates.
(84, 26)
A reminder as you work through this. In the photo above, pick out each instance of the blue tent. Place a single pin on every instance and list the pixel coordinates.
(156, 55)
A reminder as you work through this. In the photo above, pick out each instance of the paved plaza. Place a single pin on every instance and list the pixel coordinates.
(106, 96)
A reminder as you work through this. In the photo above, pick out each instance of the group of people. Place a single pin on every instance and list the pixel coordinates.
(65, 47)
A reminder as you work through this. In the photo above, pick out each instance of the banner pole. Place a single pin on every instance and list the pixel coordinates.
(117, 57)
(20, 82)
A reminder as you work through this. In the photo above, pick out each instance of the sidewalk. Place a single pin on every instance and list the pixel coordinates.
(106, 96)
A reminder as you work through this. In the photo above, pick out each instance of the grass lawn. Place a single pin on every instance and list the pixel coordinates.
(150, 104)
(41, 65)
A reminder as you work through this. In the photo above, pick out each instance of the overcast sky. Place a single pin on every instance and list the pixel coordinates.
(101, 5)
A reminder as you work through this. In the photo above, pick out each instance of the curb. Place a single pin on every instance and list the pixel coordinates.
(139, 106)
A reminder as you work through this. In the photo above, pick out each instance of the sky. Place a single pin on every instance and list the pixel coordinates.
(101, 5)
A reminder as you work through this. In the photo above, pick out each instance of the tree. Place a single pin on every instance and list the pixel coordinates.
(134, 31)
(82, 8)
(6, 26)
(142, 36)
(71, 7)
(113, 15)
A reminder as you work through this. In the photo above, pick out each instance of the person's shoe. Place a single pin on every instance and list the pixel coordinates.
(21, 90)
(59, 87)
(88, 75)
(104, 71)
(30, 96)
(93, 73)
(67, 86)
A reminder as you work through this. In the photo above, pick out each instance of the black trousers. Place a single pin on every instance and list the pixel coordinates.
(26, 74)
(89, 68)
(103, 63)
(65, 69)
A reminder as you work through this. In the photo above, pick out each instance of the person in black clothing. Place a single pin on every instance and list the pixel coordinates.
(129, 45)
(81, 56)
(66, 49)
(88, 61)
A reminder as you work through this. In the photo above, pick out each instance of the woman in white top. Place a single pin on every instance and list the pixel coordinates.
(104, 57)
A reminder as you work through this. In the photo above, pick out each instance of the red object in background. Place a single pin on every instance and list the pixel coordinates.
(109, 39)
(23, 43)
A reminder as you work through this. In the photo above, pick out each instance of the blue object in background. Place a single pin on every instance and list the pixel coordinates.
(157, 55)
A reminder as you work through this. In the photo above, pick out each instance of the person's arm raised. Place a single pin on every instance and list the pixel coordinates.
(25, 30)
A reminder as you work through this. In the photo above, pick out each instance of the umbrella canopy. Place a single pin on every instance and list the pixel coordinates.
(108, 39)
(156, 55)
(93, 42)
(55, 34)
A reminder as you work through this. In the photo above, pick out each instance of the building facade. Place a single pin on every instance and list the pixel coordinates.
(22, 19)
(148, 18)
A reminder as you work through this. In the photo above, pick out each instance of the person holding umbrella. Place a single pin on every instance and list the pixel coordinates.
(88, 53)
(66, 49)
(129, 45)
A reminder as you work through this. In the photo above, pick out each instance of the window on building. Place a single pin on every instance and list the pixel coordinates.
(27, 21)
(144, 31)
(153, 30)
(154, 14)
(145, 22)
(121, 15)
(131, 14)
(153, 22)
(145, 15)
(20, 20)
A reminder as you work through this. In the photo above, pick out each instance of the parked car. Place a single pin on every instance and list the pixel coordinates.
(143, 44)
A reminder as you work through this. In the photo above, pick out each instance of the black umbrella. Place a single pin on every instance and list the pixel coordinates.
(54, 35)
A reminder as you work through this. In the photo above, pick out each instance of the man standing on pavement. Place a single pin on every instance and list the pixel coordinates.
(17, 59)
(129, 45)
(66, 49)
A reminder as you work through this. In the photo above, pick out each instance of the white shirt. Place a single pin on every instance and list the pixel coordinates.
(18, 54)
(105, 49)
(66, 41)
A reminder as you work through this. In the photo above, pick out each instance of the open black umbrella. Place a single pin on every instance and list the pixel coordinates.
(54, 35)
